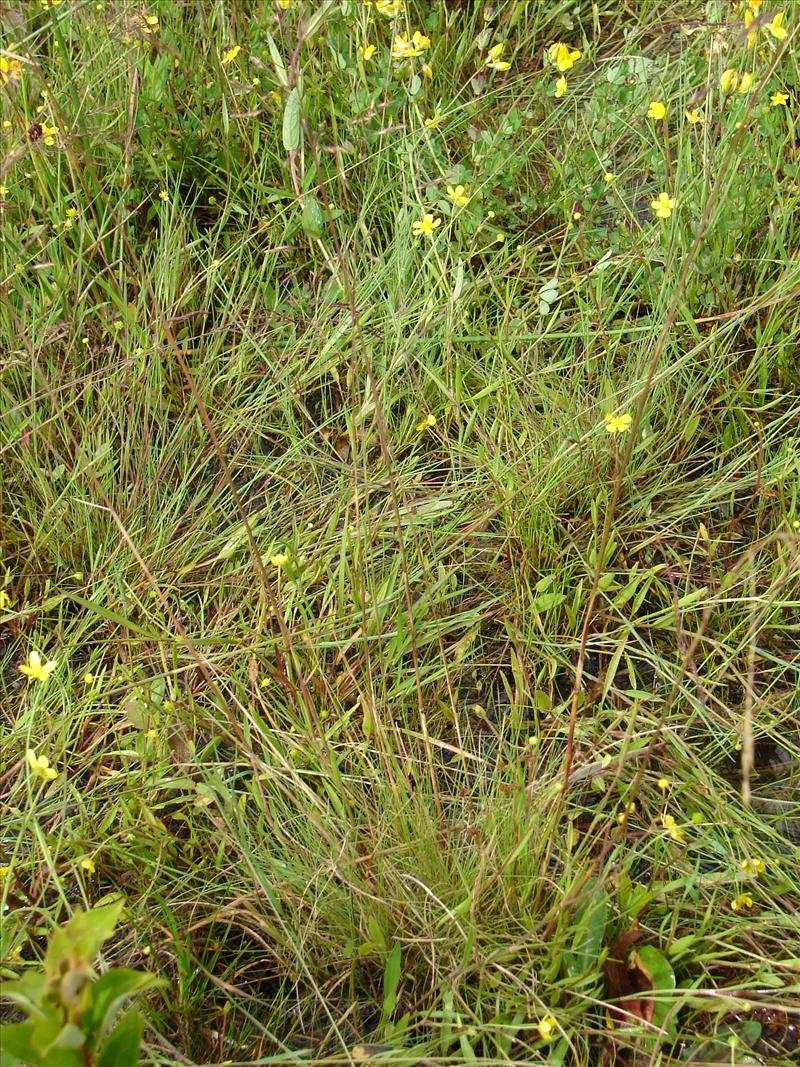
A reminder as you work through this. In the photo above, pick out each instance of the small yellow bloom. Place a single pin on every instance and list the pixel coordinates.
(150, 24)
(10, 70)
(672, 828)
(693, 116)
(5, 872)
(231, 54)
(40, 766)
(420, 41)
(729, 79)
(389, 8)
(561, 87)
(163, 195)
(88, 678)
(609, 177)
(776, 27)
(280, 560)
(753, 867)
(493, 59)
(427, 70)
(663, 784)
(425, 226)
(87, 864)
(432, 122)
(562, 56)
(37, 670)
(118, 324)
(151, 734)
(664, 206)
(425, 424)
(779, 99)
(657, 110)
(615, 424)
(49, 134)
(369, 51)
(746, 84)
(744, 900)
(751, 36)
(5, 599)
(458, 194)
(402, 48)
(630, 808)
(274, 96)
(546, 1027)
(284, 4)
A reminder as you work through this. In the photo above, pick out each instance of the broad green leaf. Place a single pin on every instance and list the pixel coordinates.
(108, 994)
(391, 981)
(291, 121)
(121, 1048)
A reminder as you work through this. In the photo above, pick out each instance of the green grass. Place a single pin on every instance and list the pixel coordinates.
(373, 795)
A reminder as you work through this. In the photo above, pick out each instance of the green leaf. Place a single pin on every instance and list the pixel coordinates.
(312, 219)
(291, 121)
(590, 924)
(15, 1040)
(80, 939)
(26, 992)
(122, 1046)
(391, 982)
(108, 994)
(277, 62)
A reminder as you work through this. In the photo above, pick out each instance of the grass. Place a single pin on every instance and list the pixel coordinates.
(398, 794)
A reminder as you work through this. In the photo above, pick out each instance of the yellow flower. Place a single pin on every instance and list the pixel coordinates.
(151, 734)
(88, 678)
(284, 4)
(427, 70)
(776, 27)
(693, 116)
(274, 96)
(5, 599)
(402, 48)
(751, 36)
(616, 424)
(87, 864)
(5, 872)
(10, 70)
(630, 808)
(746, 84)
(150, 24)
(778, 98)
(432, 122)
(754, 867)
(561, 87)
(280, 560)
(425, 226)
(163, 195)
(40, 766)
(231, 54)
(729, 79)
(609, 177)
(493, 59)
(425, 424)
(546, 1026)
(420, 41)
(562, 56)
(37, 670)
(672, 828)
(389, 8)
(48, 134)
(458, 195)
(744, 900)
(663, 206)
(663, 784)
(369, 51)
(657, 110)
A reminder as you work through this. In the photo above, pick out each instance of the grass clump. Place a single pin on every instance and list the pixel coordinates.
(401, 486)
